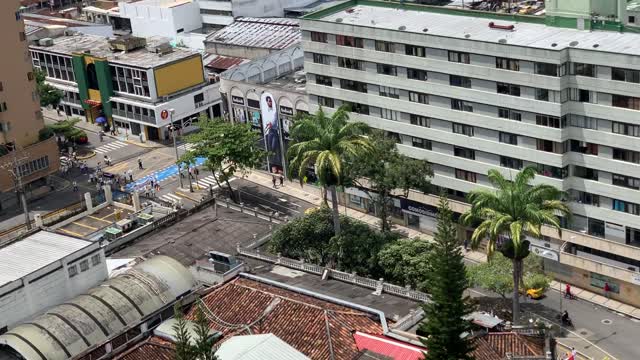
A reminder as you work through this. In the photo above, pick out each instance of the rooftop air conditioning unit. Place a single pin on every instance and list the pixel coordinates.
(45, 42)
(222, 262)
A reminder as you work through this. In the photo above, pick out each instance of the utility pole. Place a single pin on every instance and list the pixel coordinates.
(175, 146)
(13, 167)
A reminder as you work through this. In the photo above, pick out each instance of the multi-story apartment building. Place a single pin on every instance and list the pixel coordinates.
(473, 91)
(20, 115)
(123, 84)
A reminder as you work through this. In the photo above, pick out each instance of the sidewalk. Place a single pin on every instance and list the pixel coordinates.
(312, 194)
(128, 138)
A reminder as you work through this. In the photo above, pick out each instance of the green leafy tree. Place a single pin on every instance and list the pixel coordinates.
(447, 283)
(203, 346)
(406, 262)
(49, 95)
(183, 343)
(325, 142)
(227, 148)
(385, 173)
(507, 214)
(497, 275)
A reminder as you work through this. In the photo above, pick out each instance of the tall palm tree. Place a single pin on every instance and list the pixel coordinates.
(324, 142)
(506, 215)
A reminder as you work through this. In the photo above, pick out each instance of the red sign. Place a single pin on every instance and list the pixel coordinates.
(92, 102)
(164, 114)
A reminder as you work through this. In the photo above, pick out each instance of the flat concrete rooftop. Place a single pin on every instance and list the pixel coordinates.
(98, 46)
(472, 26)
(99, 220)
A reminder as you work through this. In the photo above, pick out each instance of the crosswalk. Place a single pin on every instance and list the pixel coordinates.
(205, 182)
(186, 147)
(103, 149)
(174, 199)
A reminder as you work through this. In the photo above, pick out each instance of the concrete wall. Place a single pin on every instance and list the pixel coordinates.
(156, 18)
(265, 8)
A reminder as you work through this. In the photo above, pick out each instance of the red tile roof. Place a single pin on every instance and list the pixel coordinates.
(383, 345)
(154, 348)
(314, 327)
(494, 346)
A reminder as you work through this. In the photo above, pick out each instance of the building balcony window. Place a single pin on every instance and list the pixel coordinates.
(466, 175)
(585, 173)
(627, 102)
(464, 153)
(349, 41)
(584, 147)
(552, 171)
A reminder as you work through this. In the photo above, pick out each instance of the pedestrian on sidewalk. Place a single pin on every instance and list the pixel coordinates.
(466, 244)
(607, 290)
(281, 179)
(75, 186)
(273, 180)
(567, 291)
(130, 174)
(101, 135)
(91, 178)
(140, 164)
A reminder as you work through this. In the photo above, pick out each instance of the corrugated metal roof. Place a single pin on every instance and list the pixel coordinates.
(225, 62)
(34, 252)
(258, 347)
(388, 347)
(271, 33)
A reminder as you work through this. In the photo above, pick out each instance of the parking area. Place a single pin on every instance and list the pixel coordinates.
(99, 220)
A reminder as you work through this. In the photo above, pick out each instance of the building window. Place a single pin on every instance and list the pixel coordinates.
(508, 64)
(510, 163)
(585, 198)
(626, 181)
(350, 63)
(625, 129)
(421, 143)
(22, 36)
(84, 265)
(414, 50)
(507, 138)
(583, 122)
(625, 206)
(461, 81)
(349, 41)
(416, 74)
(357, 108)
(508, 89)
(626, 155)
(585, 173)
(627, 75)
(30, 76)
(324, 80)
(551, 146)
(580, 95)
(420, 120)
(322, 59)
(385, 69)
(461, 105)
(459, 57)
(389, 92)
(542, 94)
(318, 37)
(584, 147)
(465, 175)
(462, 129)
(551, 121)
(418, 97)
(627, 102)
(3, 106)
(353, 85)
(552, 171)
(325, 101)
(581, 69)
(464, 152)
(509, 114)
(632, 19)
(389, 114)
(73, 270)
(385, 46)
(546, 69)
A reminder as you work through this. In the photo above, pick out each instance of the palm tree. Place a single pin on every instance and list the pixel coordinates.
(506, 215)
(325, 141)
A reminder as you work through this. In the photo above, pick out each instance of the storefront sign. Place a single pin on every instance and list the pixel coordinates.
(598, 281)
(285, 110)
(237, 100)
(418, 208)
(544, 252)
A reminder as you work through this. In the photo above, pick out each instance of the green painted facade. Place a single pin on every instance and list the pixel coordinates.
(103, 72)
(81, 79)
(103, 77)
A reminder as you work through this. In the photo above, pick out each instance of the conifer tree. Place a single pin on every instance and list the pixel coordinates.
(184, 348)
(203, 342)
(446, 282)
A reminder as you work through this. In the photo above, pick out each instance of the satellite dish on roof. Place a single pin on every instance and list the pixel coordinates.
(425, 29)
(402, 28)
(339, 20)
(573, 43)
(502, 41)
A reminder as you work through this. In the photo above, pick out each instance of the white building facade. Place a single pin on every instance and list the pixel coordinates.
(43, 270)
(166, 18)
(471, 94)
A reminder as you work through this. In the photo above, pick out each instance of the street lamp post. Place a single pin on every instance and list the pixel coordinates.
(175, 145)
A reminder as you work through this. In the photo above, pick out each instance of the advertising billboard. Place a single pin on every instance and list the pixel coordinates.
(271, 129)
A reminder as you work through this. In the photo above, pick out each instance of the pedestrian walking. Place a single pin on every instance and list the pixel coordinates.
(91, 178)
(567, 291)
(273, 180)
(141, 137)
(157, 186)
(106, 160)
(147, 189)
(153, 192)
(281, 179)
(130, 175)
(140, 164)
(466, 244)
(101, 135)
(75, 186)
(607, 290)
(153, 183)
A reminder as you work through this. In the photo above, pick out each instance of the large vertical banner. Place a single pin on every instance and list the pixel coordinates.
(271, 132)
